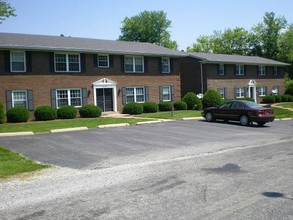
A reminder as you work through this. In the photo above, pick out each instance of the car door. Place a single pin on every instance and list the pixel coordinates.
(223, 111)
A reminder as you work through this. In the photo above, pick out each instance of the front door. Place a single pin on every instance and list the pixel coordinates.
(105, 99)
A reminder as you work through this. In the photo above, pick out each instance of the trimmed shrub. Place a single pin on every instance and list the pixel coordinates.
(180, 105)
(211, 99)
(289, 89)
(290, 98)
(278, 98)
(66, 112)
(90, 111)
(268, 99)
(165, 106)
(192, 101)
(284, 98)
(17, 114)
(2, 115)
(45, 113)
(132, 108)
(150, 107)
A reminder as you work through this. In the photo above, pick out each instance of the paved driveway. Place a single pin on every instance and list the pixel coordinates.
(107, 147)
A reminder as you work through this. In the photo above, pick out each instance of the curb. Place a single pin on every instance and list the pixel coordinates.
(68, 129)
(9, 134)
(113, 125)
(147, 122)
(191, 118)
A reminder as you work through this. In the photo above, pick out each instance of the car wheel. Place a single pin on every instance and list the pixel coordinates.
(244, 120)
(261, 123)
(209, 117)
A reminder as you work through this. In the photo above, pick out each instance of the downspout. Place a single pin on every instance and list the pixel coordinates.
(201, 77)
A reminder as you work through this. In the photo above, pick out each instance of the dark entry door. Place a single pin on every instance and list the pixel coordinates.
(105, 99)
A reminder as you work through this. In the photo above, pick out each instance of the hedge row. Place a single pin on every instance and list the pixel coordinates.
(277, 98)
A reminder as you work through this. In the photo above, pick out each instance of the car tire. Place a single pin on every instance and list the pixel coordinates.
(209, 117)
(261, 124)
(244, 120)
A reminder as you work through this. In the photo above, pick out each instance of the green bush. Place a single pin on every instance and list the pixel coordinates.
(2, 115)
(180, 105)
(17, 114)
(290, 98)
(132, 108)
(165, 106)
(284, 98)
(278, 98)
(268, 99)
(211, 98)
(90, 111)
(150, 107)
(45, 113)
(66, 112)
(289, 88)
(192, 101)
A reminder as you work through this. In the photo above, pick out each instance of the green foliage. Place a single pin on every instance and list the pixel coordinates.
(211, 98)
(278, 98)
(290, 98)
(165, 106)
(66, 112)
(148, 26)
(289, 87)
(6, 10)
(247, 99)
(268, 99)
(132, 108)
(90, 111)
(192, 101)
(45, 113)
(17, 114)
(180, 105)
(150, 107)
(2, 115)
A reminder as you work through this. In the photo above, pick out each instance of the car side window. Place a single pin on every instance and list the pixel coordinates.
(225, 105)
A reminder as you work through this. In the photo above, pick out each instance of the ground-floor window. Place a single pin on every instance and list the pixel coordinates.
(240, 92)
(275, 90)
(134, 94)
(222, 92)
(166, 93)
(19, 98)
(71, 97)
(262, 91)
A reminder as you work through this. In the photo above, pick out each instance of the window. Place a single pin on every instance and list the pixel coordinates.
(19, 98)
(166, 93)
(275, 90)
(262, 91)
(165, 65)
(68, 97)
(17, 61)
(135, 94)
(275, 71)
(261, 70)
(67, 62)
(239, 93)
(221, 69)
(133, 64)
(103, 60)
(239, 70)
(222, 92)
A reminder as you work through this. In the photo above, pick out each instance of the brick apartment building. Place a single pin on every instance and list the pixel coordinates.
(38, 70)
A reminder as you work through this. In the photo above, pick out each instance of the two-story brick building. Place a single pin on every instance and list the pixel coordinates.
(40, 70)
(233, 76)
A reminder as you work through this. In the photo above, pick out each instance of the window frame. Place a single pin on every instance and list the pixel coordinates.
(11, 61)
(261, 70)
(108, 60)
(133, 64)
(239, 92)
(67, 62)
(222, 92)
(13, 98)
(135, 88)
(275, 71)
(169, 94)
(221, 69)
(163, 65)
(69, 98)
(262, 91)
(239, 70)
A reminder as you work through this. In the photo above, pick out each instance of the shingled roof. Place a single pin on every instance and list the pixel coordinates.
(235, 59)
(60, 43)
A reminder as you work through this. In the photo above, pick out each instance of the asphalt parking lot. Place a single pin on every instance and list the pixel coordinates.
(107, 147)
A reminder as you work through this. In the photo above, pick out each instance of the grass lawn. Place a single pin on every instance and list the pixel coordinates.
(168, 115)
(12, 163)
(282, 113)
(286, 105)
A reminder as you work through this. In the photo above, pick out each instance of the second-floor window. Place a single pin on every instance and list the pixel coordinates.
(103, 60)
(239, 70)
(17, 61)
(134, 64)
(275, 71)
(165, 61)
(221, 69)
(67, 62)
(261, 70)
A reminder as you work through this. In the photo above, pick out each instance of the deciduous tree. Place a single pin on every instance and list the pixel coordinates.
(6, 10)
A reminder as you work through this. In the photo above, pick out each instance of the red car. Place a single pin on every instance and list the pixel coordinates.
(244, 111)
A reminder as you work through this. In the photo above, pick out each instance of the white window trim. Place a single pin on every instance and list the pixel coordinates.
(133, 64)
(261, 70)
(238, 73)
(24, 61)
(275, 71)
(241, 89)
(12, 94)
(68, 96)
(169, 94)
(221, 70)
(262, 91)
(169, 68)
(108, 60)
(67, 62)
(134, 93)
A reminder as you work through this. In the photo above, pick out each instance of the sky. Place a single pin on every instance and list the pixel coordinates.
(102, 19)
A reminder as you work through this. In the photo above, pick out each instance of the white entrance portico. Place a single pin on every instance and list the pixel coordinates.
(252, 89)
